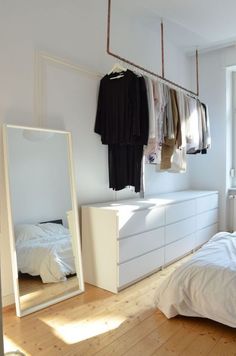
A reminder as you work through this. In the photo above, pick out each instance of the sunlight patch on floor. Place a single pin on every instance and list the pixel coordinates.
(10, 346)
(75, 332)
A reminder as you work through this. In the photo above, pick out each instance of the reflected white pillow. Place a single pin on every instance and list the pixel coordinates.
(25, 232)
(54, 229)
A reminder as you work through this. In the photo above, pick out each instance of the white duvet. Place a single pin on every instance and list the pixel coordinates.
(50, 257)
(205, 286)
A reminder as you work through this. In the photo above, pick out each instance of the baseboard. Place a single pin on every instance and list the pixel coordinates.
(8, 300)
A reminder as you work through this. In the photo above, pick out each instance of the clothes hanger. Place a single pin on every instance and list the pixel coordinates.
(117, 68)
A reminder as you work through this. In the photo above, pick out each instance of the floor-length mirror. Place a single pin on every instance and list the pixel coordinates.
(43, 217)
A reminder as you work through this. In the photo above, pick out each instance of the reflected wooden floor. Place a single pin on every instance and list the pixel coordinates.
(34, 292)
(101, 323)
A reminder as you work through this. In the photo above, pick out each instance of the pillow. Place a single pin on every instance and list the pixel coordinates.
(25, 232)
(54, 229)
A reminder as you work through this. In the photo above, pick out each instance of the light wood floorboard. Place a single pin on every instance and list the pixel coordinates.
(101, 323)
(33, 291)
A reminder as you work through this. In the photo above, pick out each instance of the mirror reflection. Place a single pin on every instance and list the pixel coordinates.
(45, 241)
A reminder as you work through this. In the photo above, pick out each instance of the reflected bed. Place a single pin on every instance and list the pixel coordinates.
(45, 250)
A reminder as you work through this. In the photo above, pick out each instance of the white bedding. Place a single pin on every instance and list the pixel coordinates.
(47, 256)
(204, 286)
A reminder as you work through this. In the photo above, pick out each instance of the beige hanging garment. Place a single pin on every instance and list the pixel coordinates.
(172, 131)
(178, 161)
(153, 150)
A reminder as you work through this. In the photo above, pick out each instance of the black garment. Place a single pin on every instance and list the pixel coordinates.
(122, 120)
(122, 111)
(125, 166)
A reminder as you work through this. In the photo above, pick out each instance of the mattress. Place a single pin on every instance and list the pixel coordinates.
(204, 286)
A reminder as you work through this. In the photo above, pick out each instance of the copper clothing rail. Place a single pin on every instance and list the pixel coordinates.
(162, 77)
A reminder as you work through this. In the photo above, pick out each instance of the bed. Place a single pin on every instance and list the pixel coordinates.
(44, 250)
(204, 286)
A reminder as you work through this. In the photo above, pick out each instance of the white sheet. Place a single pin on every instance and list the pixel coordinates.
(51, 258)
(204, 286)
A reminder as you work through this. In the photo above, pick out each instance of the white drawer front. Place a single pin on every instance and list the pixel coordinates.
(180, 229)
(206, 219)
(140, 221)
(205, 234)
(207, 203)
(180, 211)
(179, 248)
(140, 266)
(137, 245)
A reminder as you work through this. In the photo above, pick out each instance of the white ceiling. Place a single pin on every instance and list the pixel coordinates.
(206, 24)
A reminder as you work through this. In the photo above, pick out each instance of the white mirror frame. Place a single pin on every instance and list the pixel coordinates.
(75, 217)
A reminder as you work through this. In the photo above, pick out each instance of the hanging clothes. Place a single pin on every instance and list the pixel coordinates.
(192, 125)
(202, 139)
(118, 115)
(122, 120)
(151, 148)
(151, 107)
(172, 131)
(133, 112)
(178, 160)
(206, 133)
(160, 97)
(182, 116)
(182, 127)
(164, 127)
(124, 162)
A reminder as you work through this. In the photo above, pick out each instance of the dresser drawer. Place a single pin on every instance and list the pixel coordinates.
(140, 267)
(207, 203)
(206, 219)
(205, 234)
(179, 248)
(180, 229)
(140, 221)
(137, 245)
(125, 241)
(177, 212)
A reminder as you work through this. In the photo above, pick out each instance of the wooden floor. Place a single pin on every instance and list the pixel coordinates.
(34, 292)
(101, 323)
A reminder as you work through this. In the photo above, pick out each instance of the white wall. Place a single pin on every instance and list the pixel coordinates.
(62, 96)
(39, 176)
(212, 170)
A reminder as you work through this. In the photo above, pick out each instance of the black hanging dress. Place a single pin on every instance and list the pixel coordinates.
(122, 121)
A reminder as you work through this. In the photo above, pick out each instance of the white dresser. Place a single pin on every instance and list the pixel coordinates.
(124, 241)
